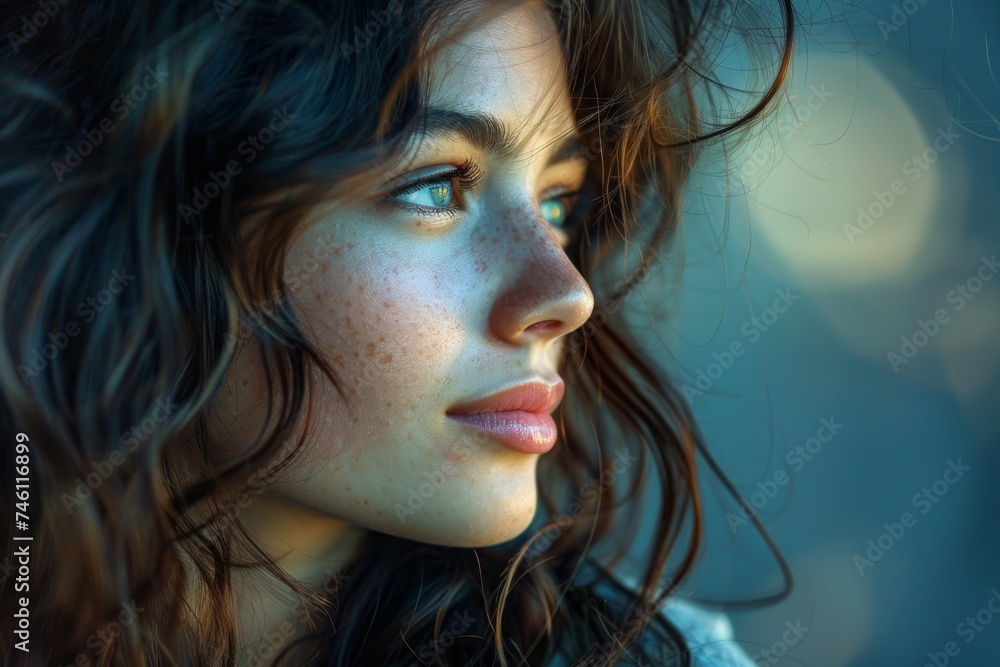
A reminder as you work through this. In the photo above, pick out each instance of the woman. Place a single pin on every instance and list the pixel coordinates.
(311, 313)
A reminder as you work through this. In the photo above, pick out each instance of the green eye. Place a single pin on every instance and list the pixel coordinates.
(432, 195)
(554, 211)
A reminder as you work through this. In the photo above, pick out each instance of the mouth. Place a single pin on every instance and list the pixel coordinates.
(517, 418)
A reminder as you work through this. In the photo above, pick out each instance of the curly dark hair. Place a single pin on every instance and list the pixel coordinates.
(114, 113)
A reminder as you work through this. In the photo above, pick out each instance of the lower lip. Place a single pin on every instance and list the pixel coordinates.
(525, 432)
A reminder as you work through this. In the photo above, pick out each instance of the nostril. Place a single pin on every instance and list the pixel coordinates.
(545, 326)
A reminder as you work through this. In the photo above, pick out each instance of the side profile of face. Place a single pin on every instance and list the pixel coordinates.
(434, 294)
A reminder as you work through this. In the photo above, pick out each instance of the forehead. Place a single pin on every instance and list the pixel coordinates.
(507, 62)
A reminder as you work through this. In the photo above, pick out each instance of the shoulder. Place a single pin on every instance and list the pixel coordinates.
(709, 635)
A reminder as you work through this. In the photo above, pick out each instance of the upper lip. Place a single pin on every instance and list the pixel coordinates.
(532, 396)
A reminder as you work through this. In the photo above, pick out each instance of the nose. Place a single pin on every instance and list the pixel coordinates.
(543, 296)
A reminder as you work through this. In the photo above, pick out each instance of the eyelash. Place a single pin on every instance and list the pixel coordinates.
(468, 175)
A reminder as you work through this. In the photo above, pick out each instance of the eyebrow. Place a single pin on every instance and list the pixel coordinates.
(488, 133)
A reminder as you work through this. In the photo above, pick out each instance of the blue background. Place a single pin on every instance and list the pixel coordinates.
(799, 179)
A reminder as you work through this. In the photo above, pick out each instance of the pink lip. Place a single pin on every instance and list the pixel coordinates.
(518, 417)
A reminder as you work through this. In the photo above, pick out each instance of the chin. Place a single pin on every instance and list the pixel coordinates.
(482, 520)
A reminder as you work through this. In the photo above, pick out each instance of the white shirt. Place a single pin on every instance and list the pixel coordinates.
(708, 635)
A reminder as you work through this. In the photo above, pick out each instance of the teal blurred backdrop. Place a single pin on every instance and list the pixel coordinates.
(837, 332)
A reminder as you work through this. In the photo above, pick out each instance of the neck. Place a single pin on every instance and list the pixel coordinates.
(310, 547)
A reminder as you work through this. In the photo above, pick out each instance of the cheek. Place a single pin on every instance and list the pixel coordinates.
(386, 331)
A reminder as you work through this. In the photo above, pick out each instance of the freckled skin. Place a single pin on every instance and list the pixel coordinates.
(417, 314)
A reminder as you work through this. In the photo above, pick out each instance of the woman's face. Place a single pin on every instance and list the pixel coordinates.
(431, 295)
